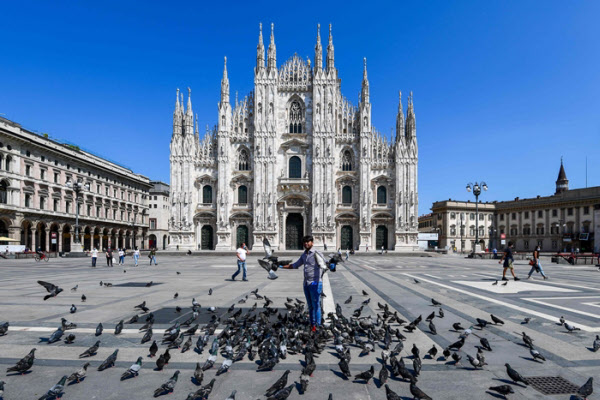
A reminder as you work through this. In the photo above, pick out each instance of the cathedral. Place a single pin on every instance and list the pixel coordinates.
(292, 158)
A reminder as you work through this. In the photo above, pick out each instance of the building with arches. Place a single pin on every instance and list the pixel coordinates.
(293, 157)
(38, 208)
(158, 216)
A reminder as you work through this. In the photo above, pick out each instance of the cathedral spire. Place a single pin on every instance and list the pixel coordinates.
(225, 84)
(177, 105)
(330, 57)
(365, 83)
(189, 111)
(272, 57)
(177, 115)
(260, 50)
(318, 50)
(399, 119)
(411, 123)
(196, 131)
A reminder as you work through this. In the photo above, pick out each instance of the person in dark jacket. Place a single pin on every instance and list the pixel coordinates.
(508, 260)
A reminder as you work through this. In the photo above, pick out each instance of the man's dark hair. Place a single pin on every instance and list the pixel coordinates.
(308, 238)
(510, 244)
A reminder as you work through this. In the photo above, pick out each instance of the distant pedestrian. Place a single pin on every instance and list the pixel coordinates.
(536, 266)
(347, 254)
(508, 260)
(367, 248)
(94, 257)
(325, 246)
(109, 257)
(136, 255)
(381, 250)
(241, 254)
(495, 253)
(121, 257)
(152, 256)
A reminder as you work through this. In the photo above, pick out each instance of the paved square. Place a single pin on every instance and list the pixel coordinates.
(463, 286)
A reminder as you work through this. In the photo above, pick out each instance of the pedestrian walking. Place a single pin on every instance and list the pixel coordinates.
(536, 265)
(136, 255)
(347, 254)
(495, 253)
(381, 250)
(508, 260)
(152, 256)
(367, 248)
(94, 257)
(121, 257)
(241, 254)
(313, 286)
(109, 257)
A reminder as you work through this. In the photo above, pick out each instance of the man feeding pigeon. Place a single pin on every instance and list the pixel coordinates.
(313, 262)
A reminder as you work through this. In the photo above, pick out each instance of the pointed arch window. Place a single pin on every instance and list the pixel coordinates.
(243, 160)
(3, 192)
(207, 194)
(295, 167)
(347, 161)
(296, 117)
(347, 195)
(242, 195)
(381, 195)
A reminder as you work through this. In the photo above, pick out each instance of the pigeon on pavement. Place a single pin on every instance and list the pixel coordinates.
(514, 375)
(91, 351)
(587, 388)
(109, 362)
(56, 390)
(168, 386)
(79, 375)
(24, 364)
(133, 371)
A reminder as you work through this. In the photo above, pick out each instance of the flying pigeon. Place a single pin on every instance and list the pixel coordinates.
(51, 288)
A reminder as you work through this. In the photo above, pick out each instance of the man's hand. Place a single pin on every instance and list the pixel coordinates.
(288, 266)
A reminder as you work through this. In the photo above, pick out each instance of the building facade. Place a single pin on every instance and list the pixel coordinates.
(38, 208)
(158, 215)
(565, 221)
(294, 157)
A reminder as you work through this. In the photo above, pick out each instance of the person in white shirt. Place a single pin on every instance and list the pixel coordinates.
(121, 257)
(136, 255)
(241, 253)
(94, 256)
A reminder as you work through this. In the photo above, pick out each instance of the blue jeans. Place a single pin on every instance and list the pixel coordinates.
(136, 257)
(241, 266)
(539, 264)
(312, 292)
(153, 258)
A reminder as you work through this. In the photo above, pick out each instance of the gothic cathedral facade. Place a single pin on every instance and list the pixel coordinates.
(293, 158)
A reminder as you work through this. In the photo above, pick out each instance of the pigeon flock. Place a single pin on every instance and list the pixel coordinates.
(265, 335)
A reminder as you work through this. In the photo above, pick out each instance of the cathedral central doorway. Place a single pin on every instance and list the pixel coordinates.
(206, 238)
(381, 237)
(294, 230)
(241, 235)
(346, 239)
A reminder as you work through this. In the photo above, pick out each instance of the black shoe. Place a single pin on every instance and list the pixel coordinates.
(504, 279)
(245, 280)
(517, 279)
(232, 277)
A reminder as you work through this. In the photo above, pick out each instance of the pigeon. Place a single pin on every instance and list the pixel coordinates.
(66, 325)
(562, 320)
(100, 283)
(415, 351)
(283, 393)
(56, 390)
(526, 320)
(435, 302)
(187, 345)
(418, 393)
(495, 283)
(176, 295)
(210, 292)
(505, 283)
(514, 375)
(133, 371)
(149, 283)
(504, 390)
(224, 367)
(210, 361)
(70, 339)
(278, 385)
(571, 328)
(205, 391)
(365, 293)
(56, 335)
(430, 317)
(481, 357)
(74, 288)
(345, 368)
(51, 288)
(161, 362)
(73, 309)
(596, 345)
(457, 327)
(119, 327)
(147, 336)
(366, 375)
(456, 357)
(79, 375)
(99, 329)
(433, 351)
(304, 379)
(153, 349)
(474, 361)
(527, 340)
(390, 394)
(417, 364)
(485, 344)
(496, 319)
(481, 323)
(587, 389)
(168, 386)
(383, 374)
(4, 328)
(348, 301)
(536, 354)
(83, 298)
(24, 364)
(416, 280)
(198, 374)
(167, 356)
(432, 328)
(91, 351)
(109, 362)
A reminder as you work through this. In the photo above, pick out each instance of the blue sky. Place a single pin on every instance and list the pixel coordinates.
(502, 89)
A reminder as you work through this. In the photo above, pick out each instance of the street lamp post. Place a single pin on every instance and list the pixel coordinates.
(77, 186)
(476, 188)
